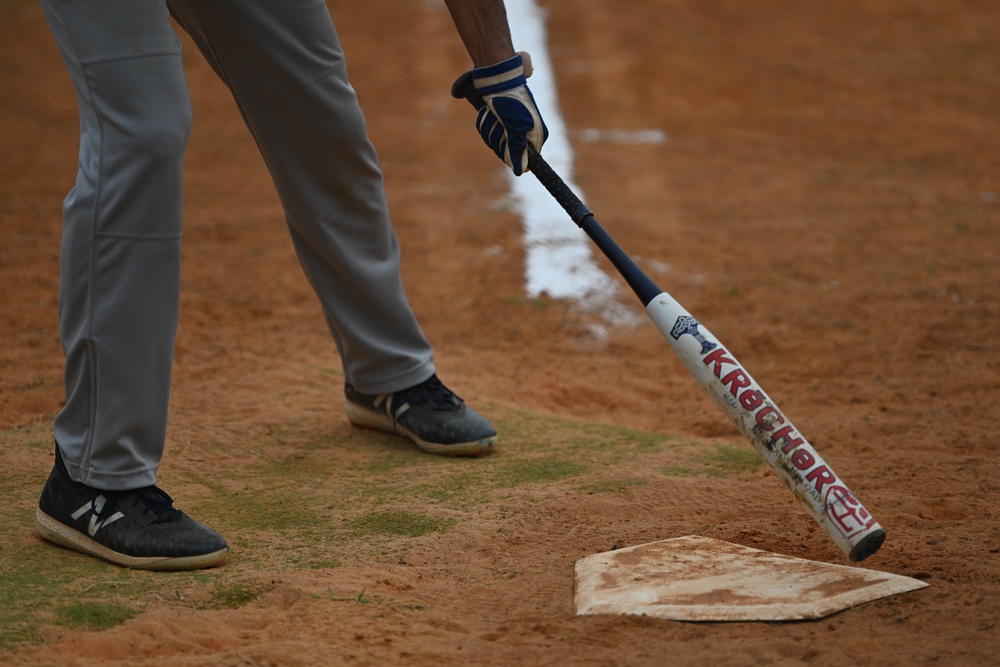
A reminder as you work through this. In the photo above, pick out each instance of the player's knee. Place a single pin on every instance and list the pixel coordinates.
(162, 135)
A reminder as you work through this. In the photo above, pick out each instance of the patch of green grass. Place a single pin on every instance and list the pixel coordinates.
(279, 507)
(528, 471)
(36, 435)
(23, 607)
(302, 500)
(387, 462)
(678, 471)
(41, 584)
(233, 595)
(621, 444)
(398, 524)
(304, 433)
(460, 490)
(724, 460)
(733, 460)
(93, 616)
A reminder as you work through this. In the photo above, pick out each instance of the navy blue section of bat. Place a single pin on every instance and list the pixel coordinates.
(640, 283)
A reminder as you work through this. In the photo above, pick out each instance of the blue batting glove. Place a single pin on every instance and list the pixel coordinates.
(510, 121)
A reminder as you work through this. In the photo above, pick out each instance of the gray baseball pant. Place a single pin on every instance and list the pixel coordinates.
(121, 247)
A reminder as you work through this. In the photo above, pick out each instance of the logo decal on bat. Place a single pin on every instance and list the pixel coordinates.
(688, 325)
(844, 510)
(849, 516)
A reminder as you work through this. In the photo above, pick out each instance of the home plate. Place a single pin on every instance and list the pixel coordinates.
(700, 579)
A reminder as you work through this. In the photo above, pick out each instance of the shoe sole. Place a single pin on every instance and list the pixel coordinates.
(63, 535)
(360, 416)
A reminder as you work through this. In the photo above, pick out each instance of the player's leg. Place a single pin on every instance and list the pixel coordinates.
(118, 286)
(285, 67)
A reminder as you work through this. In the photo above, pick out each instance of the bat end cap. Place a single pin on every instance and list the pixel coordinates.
(868, 545)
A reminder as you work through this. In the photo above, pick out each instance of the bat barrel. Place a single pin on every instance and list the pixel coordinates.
(824, 495)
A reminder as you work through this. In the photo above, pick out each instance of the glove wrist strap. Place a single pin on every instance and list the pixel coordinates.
(503, 76)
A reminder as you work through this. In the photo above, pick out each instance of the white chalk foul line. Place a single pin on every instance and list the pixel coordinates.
(594, 135)
(560, 261)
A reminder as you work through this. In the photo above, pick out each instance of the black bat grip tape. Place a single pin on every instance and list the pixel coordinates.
(557, 187)
(640, 283)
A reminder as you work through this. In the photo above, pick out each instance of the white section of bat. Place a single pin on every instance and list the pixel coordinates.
(770, 432)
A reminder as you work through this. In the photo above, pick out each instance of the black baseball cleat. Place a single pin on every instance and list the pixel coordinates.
(140, 528)
(429, 414)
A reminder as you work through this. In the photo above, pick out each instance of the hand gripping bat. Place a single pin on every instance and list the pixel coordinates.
(772, 434)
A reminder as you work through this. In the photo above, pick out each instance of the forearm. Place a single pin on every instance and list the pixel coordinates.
(483, 26)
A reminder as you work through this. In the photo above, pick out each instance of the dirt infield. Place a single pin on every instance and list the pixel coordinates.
(827, 202)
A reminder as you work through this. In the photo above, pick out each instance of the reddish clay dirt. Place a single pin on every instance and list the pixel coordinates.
(826, 203)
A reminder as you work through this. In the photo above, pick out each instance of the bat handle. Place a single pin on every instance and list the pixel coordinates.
(464, 88)
(557, 187)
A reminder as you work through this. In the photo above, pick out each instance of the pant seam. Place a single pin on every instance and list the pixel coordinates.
(307, 84)
(136, 237)
(88, 444)
(133, 56)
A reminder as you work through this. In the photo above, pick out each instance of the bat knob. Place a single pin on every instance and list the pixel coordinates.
(464, 88)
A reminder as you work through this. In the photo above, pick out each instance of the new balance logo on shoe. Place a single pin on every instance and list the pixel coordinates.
(384, 402)
(429, 414)
(96, 506)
